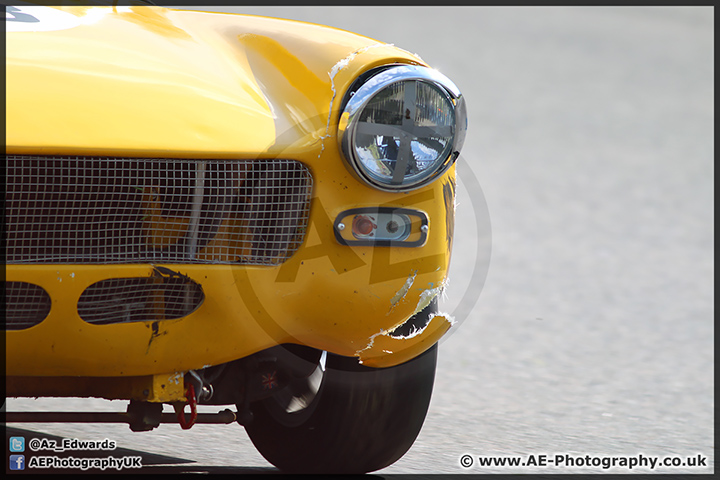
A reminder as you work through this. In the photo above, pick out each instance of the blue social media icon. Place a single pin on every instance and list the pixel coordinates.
(17, 462)
(17, 444)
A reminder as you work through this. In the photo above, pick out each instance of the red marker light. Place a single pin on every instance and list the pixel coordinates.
(363, 226)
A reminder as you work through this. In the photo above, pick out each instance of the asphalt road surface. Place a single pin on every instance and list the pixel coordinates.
(591, 140)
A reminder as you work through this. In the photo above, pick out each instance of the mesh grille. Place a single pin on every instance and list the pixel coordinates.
(122, 300)
(26, 305)
(110, 210)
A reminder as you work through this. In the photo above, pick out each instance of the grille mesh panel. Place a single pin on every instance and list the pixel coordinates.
(112, 210)
(123, 300)
(26, 305)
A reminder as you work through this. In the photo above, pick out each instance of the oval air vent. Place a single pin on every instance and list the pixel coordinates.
(123, 300)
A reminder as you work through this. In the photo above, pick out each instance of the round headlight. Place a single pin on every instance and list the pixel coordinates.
(403, 127)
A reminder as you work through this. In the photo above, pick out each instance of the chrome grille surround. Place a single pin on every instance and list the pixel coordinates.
(134, 210)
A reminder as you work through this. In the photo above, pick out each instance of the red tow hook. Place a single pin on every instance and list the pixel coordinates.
(180, 409)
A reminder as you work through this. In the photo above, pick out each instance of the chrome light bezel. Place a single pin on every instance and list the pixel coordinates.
(360, 97)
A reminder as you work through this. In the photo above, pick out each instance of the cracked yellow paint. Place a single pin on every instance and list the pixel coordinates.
(428, 295)
(385, 350)
(403, 291)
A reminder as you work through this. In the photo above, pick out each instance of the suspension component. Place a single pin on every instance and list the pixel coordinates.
(224, 417)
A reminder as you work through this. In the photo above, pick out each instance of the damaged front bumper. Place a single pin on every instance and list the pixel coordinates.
(363, 301)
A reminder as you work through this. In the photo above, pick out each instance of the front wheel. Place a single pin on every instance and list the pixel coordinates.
(345, 418)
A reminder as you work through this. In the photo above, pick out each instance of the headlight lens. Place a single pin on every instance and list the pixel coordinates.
(403, 128)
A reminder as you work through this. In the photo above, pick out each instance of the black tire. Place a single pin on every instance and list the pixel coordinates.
(360, 420)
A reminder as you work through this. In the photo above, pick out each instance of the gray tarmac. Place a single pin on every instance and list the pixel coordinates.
(590, 237)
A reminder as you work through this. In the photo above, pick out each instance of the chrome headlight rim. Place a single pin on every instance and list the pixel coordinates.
(366, 88)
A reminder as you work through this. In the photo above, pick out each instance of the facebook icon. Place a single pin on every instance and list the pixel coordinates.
(17, 462)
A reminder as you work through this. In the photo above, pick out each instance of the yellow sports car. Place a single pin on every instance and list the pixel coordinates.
(223, 209)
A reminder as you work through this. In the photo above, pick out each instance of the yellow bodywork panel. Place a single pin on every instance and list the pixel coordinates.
(159, 83)
(147, 81)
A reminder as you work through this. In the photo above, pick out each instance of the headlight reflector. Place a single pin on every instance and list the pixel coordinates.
(403, 128)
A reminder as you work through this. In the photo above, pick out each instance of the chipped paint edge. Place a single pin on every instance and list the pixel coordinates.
(341, 64)
(176, 377)
(426, 297)
(402, 293)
